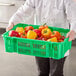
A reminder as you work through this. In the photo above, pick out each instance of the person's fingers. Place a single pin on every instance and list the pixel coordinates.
(9, 28)
(71, 37)
(67, 35)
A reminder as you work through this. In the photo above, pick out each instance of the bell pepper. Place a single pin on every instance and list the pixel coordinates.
(20, 29)
(13, 33)
(46, 32)
(43, 47)
(62, 37)
(43, 26)
(39, 38)
(60, 40)
(42, 38)
(31, 34)
(24, 35)
(56, 34)
(54, 39)
(28, 28)
(38, 32)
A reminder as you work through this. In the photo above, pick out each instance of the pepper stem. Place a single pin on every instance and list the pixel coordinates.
(44, 24)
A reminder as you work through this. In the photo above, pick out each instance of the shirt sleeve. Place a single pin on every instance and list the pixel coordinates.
(25, 10)
(70, 8)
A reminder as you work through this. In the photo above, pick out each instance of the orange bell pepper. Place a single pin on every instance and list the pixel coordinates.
(43, 26)
(54, 39)
(56, 34)
(23, 35)
(28, 28)
(46, 32)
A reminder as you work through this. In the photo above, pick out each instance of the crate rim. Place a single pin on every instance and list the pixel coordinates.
(4, 35)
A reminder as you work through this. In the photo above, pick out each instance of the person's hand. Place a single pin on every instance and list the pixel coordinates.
(10, 27)
(71, 35)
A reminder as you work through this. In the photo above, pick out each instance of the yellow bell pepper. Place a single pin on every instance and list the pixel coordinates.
(46, 32)
(20, 30)
(54, 39)
(31, 34)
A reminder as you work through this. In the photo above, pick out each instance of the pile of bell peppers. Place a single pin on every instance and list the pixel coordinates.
(42, 33)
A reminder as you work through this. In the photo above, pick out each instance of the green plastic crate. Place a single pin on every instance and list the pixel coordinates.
(39, 48)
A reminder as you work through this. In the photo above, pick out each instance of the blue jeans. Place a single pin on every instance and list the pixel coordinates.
(50, 66)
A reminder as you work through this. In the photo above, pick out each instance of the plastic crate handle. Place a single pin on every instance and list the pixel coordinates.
(66, 39)
(69, 42)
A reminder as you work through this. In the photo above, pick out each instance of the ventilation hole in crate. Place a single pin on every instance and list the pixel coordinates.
(27, 51)
(43, 47)
(39, 46)
(43, 53)
(27, 45)
(24, 51)
(55, 48)
(55, 54)
(9, 42)
(35, 45)
(39, 53)
(21, 44)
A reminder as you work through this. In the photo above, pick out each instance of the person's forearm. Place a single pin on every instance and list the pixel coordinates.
(25, 10)
(15, 19)
(70, 10)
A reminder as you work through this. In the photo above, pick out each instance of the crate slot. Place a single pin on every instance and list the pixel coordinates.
(23, 44)
(39, 46)
(39, 53)
(24, 51)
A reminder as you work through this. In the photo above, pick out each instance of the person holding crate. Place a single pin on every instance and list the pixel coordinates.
(57, 13)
